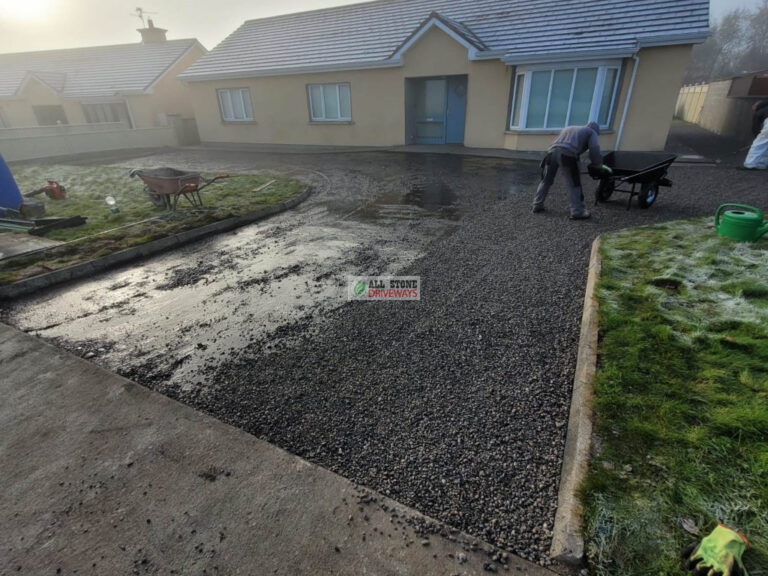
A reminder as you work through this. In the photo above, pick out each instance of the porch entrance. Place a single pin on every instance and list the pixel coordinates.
(435, 109)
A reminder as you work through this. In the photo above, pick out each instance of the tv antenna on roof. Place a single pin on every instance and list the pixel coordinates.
(139, 12)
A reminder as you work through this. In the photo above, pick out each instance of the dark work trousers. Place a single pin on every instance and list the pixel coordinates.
(556, 158)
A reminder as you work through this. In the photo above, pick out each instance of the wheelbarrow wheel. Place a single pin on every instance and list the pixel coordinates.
(648, 194)
(156, 199)
(604, 190)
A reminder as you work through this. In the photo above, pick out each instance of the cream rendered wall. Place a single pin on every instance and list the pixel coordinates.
(19, 111)
(658, 82)
(31, 144)
(169, 95)
(487, 104)
(281, 113)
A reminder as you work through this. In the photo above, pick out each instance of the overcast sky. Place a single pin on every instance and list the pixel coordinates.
(45, 24)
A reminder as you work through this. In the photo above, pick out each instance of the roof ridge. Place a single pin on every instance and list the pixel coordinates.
(59, 50)
(317, 10)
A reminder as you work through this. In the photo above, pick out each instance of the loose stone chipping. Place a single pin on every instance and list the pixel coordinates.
(456, 405)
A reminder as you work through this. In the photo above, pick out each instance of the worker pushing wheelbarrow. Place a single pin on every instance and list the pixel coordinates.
(165, 185)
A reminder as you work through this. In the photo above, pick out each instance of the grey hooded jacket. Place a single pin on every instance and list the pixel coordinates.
(575, 140)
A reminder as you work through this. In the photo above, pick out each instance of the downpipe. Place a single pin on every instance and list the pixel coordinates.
(636, 59)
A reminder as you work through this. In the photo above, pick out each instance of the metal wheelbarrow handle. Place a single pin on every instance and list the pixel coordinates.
(212, 180)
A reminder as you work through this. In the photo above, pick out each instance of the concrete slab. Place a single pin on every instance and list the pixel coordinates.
(102, 476)
(13, 244)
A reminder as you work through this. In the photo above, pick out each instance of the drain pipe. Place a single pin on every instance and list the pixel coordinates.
(636, 59)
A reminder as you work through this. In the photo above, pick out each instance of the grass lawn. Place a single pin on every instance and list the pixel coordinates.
(681, 398)
(87, 187)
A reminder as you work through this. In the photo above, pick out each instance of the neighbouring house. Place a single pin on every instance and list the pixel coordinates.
(483, 73)
(96, 98)
(724, 106)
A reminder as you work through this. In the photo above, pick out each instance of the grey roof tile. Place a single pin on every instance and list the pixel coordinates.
(353, 35)
(93, 71)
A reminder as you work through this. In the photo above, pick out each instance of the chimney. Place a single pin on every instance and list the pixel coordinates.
(152, 35)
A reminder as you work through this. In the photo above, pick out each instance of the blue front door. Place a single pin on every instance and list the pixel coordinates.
(430, 111)
(457, 110)
(439, 109)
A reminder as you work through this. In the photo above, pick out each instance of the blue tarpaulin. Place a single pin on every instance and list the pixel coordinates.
(10, 197)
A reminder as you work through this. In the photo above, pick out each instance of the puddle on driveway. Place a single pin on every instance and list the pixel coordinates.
(161, 320)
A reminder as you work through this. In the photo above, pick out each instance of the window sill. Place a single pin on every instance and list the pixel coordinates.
(331, 122)
(546, 132)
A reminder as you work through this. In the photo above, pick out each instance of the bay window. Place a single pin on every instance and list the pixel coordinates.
(549, 98)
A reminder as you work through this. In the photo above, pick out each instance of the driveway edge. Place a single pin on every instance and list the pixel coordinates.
(29, 285)
(120, 475)
(567, 541)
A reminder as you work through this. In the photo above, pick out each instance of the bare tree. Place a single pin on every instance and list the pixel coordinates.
(738, 44)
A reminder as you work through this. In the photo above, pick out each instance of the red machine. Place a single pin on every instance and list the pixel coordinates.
(53, 190)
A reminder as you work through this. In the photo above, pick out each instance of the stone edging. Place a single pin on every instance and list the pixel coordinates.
(567, 540)
(29, 285)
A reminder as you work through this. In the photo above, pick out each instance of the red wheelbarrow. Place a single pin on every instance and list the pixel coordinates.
(165, 185)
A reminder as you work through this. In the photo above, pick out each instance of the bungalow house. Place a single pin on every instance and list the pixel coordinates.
(483, 73)
(85, 99)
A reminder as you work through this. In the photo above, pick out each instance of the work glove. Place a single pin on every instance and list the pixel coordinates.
(718, 554)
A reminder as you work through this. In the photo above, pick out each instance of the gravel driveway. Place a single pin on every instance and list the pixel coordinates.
(456, 405)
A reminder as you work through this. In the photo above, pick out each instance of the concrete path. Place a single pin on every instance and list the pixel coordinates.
(686, 138)
(13, 244)
(102, 476)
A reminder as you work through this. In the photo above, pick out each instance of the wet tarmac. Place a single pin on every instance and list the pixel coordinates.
(160, 320)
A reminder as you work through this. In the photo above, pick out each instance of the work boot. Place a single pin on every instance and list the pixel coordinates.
(538, 208)
(585, 215)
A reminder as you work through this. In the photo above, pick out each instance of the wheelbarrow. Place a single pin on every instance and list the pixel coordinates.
(165, 185)
(638, 174)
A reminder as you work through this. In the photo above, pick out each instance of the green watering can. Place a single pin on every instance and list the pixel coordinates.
(740, 222)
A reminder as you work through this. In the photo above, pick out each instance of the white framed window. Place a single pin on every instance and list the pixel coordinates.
(235, 104)
(330, 102)
(107, 112)
(552, 97)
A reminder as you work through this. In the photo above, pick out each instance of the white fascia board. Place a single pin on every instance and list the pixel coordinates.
(102, 97)
(116, 99)
(558, 58)
(434, 22)
(370, 65)
(489, 55)
(587, 63)
(672, 40)
(28, 77)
